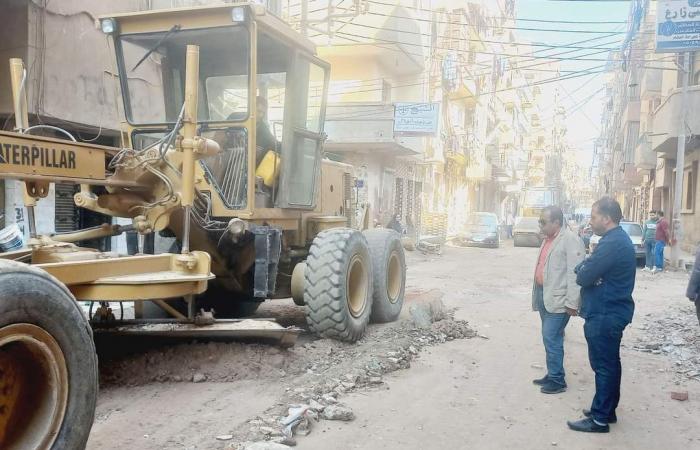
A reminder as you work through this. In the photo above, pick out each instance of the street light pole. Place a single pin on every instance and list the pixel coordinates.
(677, 231)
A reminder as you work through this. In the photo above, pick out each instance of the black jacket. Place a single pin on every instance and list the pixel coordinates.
(607, 278)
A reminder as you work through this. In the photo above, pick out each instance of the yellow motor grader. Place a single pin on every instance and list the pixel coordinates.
(222, 152)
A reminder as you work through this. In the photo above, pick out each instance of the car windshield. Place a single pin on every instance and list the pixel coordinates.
(152, 69)
(527, 222)
(482, 220)
(632, 229)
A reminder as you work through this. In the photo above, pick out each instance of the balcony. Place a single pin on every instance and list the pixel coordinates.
(644, 156)
(366, 128)
(650, 85)
(632, 111)
(477, 171)
(464, 90)
(667, 118)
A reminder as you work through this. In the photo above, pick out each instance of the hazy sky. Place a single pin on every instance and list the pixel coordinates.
(583, 122)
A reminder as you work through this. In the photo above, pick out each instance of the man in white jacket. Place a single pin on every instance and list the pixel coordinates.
(555, 294)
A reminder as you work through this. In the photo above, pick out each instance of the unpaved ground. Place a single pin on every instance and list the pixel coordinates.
(457, 393)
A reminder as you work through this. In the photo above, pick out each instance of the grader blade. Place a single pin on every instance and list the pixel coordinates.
(240, 329)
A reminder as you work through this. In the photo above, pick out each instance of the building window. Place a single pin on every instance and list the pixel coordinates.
(690, 176)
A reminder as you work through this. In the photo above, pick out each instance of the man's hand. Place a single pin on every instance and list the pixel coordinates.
(571, 312)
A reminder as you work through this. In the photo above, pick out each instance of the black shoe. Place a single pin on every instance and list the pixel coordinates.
(611, 419)
(541, 381)
(588, 426)
(550, 387)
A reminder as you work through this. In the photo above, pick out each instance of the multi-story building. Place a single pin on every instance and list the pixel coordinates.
(636, 155)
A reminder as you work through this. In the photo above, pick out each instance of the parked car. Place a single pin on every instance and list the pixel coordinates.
(634, 230)
(481, 229)
(526, 232)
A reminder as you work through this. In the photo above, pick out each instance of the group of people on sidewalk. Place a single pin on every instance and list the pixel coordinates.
(656, 236)
(599, 289)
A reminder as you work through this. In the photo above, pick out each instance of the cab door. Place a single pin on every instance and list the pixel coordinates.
(306, 111)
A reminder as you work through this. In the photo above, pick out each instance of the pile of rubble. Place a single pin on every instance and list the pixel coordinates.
(675, 334)
(338, 368)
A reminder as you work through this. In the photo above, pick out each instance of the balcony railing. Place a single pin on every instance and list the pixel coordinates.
(644, 156)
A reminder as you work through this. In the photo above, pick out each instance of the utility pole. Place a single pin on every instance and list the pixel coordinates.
(677, 231)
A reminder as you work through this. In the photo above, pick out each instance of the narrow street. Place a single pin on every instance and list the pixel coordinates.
(464, 393)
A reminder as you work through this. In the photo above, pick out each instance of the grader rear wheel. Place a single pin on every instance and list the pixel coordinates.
(338, 285)
(48, 365)
(389, 264)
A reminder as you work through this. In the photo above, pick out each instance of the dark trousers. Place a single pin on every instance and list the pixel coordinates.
(603, 336)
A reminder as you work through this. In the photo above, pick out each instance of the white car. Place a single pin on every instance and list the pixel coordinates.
(634, 230)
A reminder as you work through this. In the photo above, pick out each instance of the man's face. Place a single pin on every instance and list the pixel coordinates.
(548, 228)
(652, 215)
(599, 222)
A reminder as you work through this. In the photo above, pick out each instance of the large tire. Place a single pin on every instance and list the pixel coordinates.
(389, 274)
(338, 285)
(47, 360)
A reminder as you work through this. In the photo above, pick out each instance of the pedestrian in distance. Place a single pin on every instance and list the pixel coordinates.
(649, 240)
(510, 220)
(555, 294)
(607, 280)
(693, 290)
(663, 238)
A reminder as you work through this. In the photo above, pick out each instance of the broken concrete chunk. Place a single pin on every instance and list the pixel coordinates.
(266, 446)
(199, 378)
(338, 412)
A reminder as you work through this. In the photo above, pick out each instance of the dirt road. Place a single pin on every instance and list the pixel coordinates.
(460, 393)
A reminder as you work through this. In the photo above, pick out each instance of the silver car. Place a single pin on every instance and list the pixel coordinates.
(634, 231)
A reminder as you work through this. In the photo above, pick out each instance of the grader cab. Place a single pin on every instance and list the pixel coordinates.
(222, 153)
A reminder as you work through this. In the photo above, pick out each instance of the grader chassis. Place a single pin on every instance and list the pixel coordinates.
(189, 167)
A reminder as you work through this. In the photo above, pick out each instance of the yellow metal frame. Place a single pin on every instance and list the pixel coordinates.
(102, 276)
(219, 16)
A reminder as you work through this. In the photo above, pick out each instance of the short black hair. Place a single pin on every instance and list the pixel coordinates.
(653, 211)
(660, 213)
(555, 213)
(608, 206)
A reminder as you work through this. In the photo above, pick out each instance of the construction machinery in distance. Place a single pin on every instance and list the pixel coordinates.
(255, 210)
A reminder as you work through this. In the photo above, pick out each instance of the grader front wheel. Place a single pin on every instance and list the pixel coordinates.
(48, 365)
(338, 285)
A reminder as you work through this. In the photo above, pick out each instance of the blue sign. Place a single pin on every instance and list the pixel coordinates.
(416, 118)
(677, 25)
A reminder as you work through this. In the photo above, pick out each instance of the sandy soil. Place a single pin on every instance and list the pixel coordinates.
(457, 393)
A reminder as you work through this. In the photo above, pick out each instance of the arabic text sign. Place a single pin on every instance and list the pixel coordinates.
(416, 118)
(677, 25)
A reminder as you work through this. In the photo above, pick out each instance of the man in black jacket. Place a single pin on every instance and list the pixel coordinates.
(607, 281)
(693, 291)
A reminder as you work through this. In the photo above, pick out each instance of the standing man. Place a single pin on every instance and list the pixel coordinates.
(693, 291)
(663, 238)
(555, 294)
(607, 279)
(649, 240)
(509, 225)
